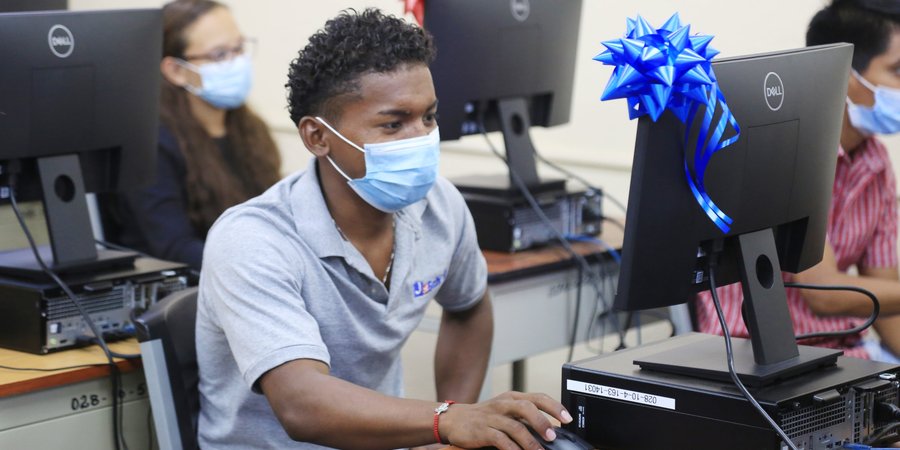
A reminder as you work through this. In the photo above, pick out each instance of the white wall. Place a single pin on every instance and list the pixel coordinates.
(598, 143)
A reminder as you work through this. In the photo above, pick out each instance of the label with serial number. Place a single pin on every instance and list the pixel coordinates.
(627, 395)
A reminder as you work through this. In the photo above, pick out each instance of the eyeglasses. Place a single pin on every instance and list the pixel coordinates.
(247, 46)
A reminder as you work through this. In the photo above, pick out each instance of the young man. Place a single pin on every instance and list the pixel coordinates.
(309, 291)
(862, 227)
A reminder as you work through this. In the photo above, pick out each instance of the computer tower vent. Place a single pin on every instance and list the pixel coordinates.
(62, 307)
(527, 216)
(813, 418)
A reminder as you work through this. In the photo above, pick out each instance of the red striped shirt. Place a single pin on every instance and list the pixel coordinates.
(862, 230)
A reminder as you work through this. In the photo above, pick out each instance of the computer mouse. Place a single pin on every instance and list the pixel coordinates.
(565, 440)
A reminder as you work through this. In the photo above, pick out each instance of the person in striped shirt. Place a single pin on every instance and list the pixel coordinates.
(862, 223)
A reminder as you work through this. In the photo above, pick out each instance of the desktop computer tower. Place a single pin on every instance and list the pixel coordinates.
(505, 221)
(38, 317)
(618, 405)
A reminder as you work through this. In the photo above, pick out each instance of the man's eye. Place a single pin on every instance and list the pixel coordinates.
(392, 125)
(431, 117)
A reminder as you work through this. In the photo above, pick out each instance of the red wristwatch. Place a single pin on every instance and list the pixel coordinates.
(437, 414)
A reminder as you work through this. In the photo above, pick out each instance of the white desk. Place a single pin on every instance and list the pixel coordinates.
(70, 409)
(534, 294)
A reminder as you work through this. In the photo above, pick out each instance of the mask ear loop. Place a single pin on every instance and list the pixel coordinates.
(348, 141)
(328, 157)
(864, 81)
(193, 68)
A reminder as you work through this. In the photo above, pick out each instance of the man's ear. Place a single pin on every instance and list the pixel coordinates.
(312, 132)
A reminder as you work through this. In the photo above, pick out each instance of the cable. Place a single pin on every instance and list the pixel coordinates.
(612, 252)
(113, 368)
(615, 222)
(574, 338)
(54, 369)
(579, 179)
(612, 199)
(540, 213)
(618, 259)
(149, 426)
(87, 340)
(876, 308)
(730, 357)
(884, 432)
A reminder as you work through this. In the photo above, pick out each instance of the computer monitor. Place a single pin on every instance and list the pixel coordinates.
(32, 5)
(79, 96)
(506, 64)
(775, 181)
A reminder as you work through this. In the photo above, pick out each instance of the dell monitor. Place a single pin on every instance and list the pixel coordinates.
(775, 182)
(79, 96)
(504, 65)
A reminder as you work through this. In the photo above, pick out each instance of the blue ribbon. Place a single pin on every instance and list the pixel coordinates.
(666, 68)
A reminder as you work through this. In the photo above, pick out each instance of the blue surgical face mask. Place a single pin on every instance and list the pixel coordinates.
(881, 118)
(398, 173)
(225, 84)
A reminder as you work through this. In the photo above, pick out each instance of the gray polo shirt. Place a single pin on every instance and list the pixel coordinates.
(279, 283)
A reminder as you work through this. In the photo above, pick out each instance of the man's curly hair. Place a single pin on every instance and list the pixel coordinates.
(867, 24)
(349, 46)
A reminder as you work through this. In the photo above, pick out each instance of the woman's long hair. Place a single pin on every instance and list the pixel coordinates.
(212, 184)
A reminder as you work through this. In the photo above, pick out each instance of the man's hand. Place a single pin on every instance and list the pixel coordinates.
(502, 421)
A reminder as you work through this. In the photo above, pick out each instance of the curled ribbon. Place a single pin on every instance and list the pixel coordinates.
(666, 68)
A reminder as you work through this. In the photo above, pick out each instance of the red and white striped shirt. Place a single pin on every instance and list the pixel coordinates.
(862, 230)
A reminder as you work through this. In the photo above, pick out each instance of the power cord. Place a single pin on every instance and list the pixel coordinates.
(876, 308)
(584, 266)
(620, 225)
(730, 355)
(115, 380)
(890, 410)
(580, 179)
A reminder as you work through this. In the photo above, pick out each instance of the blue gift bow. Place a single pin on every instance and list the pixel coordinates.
(667, 68)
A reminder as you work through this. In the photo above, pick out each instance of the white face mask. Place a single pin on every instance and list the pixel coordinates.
(881, 118)
(225, 84)
(398, 173)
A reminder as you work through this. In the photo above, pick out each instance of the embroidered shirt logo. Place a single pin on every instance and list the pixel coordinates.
(421, 288)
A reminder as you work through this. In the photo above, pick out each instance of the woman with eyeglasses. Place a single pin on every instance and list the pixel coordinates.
(214, 152)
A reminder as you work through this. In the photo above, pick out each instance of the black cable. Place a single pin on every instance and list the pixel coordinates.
(93, 340)
(113, 368)
(574, 338)
(876, 308)
(884, 432)
(579, 179)
(730, 357)
(540, 213)
(612, 199)
(615, 222)
(149, 426)
(54, 369)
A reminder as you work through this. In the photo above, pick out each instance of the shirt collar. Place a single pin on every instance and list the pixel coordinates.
(874, 154)
(314, 223)
(870, 153)
(311, 216)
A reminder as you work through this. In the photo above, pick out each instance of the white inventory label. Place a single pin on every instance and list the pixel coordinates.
(620, 394)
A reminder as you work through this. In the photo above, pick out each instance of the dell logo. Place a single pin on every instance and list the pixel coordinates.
(774, 90)
(61, 41)
(521, 9)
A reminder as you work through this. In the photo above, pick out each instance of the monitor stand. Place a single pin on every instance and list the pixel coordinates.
(514, 122)
(72, 247)
(772, 345)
